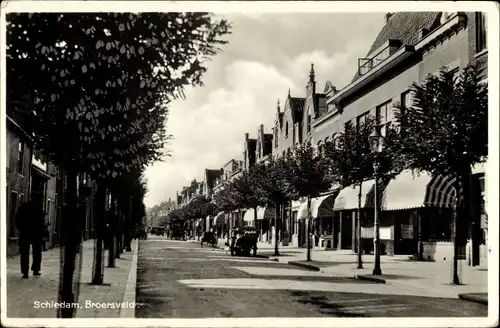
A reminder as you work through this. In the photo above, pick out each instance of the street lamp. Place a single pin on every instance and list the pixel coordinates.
(376, 141)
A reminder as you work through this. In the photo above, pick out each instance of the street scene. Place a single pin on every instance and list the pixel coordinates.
(181, 280)
(193, 165)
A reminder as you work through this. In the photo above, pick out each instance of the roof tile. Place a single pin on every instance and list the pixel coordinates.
(404, 26)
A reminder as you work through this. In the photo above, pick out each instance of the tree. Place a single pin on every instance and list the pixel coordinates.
(88, 84)
(308, 178)
(351, 160)
(351, 163)
(271, 185)
(445, 132)
(244, 194)
(225, 201)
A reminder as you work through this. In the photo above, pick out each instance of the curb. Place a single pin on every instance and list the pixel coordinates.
(129, 296)
(473, 298)
(305, 266)
(370, 278)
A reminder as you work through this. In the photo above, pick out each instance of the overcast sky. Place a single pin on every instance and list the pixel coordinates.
(267, 54)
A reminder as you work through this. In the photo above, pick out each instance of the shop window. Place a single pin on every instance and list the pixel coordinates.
(295, 223)
(20, 158)
(384, 116)
(13, 209)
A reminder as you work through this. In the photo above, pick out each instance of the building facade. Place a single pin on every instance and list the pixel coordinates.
(410, 47)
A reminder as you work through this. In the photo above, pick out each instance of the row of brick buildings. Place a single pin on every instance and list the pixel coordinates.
(409, 47)
(29, 173)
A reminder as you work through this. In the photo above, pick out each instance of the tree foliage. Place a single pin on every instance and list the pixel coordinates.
(307, 175)
(224, 199)
(107, 77)
(445, 131)
(243, 190)
(270, 182)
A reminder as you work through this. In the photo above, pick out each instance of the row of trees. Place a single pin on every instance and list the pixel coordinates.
(443, 132)
(101, 85)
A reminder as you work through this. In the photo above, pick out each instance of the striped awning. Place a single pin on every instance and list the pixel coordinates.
(405, 191)
(220, 218)
(323, 206)
(440, 192)
(249, 215)
(347, 199)
(479, 168)
(265, 213)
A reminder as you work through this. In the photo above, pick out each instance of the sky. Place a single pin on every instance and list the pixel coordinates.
(267, 54)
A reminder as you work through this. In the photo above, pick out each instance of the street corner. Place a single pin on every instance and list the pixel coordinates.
(481, 298)
(305, 265)
(371, 278)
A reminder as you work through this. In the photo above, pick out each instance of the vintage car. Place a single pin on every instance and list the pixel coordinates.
(243, 241)
(177, 233)
(209, 238)
(158, 231)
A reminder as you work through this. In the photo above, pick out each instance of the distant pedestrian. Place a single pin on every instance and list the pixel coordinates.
(31, 225)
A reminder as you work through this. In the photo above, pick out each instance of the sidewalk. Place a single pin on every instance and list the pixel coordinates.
(119, 286)
(432, 277)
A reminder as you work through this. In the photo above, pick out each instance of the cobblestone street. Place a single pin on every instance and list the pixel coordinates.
(182, 280)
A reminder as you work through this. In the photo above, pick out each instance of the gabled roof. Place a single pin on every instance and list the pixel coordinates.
(404, 26)
(280, 119)
(297, 108)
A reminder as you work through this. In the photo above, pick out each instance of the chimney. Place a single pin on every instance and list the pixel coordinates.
(262, 128)
(388, 16)
(246, 136)
(278, 107)
(422, 33)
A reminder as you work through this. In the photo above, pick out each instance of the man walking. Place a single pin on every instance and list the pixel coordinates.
(30, 221)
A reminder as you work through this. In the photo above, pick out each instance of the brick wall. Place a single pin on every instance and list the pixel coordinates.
(18, 183)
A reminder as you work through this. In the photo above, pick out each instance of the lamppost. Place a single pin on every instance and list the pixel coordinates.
(376, 141)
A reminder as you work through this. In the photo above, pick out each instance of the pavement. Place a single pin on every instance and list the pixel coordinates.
(35, 297)
(432, 278)
(178, 279)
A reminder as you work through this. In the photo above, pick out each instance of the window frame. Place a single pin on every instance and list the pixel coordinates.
(481, 32)
(20, 157)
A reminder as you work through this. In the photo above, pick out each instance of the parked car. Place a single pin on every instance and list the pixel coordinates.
(209, 238)
(177, 233)
(158, 231)
(243, 241)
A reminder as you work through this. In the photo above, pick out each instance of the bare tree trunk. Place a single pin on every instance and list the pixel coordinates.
(360, 248)
(70, 246)
(112, 235)
(276, 238)
(98, 276)
(309, 222)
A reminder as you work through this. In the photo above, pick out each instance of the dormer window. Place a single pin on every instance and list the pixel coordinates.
(446, 15)
(385, 51)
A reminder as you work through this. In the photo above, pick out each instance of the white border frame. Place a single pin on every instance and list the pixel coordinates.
(277, 7)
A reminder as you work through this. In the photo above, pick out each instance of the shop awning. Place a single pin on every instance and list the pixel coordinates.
(296, 205)
(440, 192)
(249, 215)
(323, 206)
(265, 213)
(347, 199)
(302, 212)
(220, 218)
(479, 168)
(405, 191)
